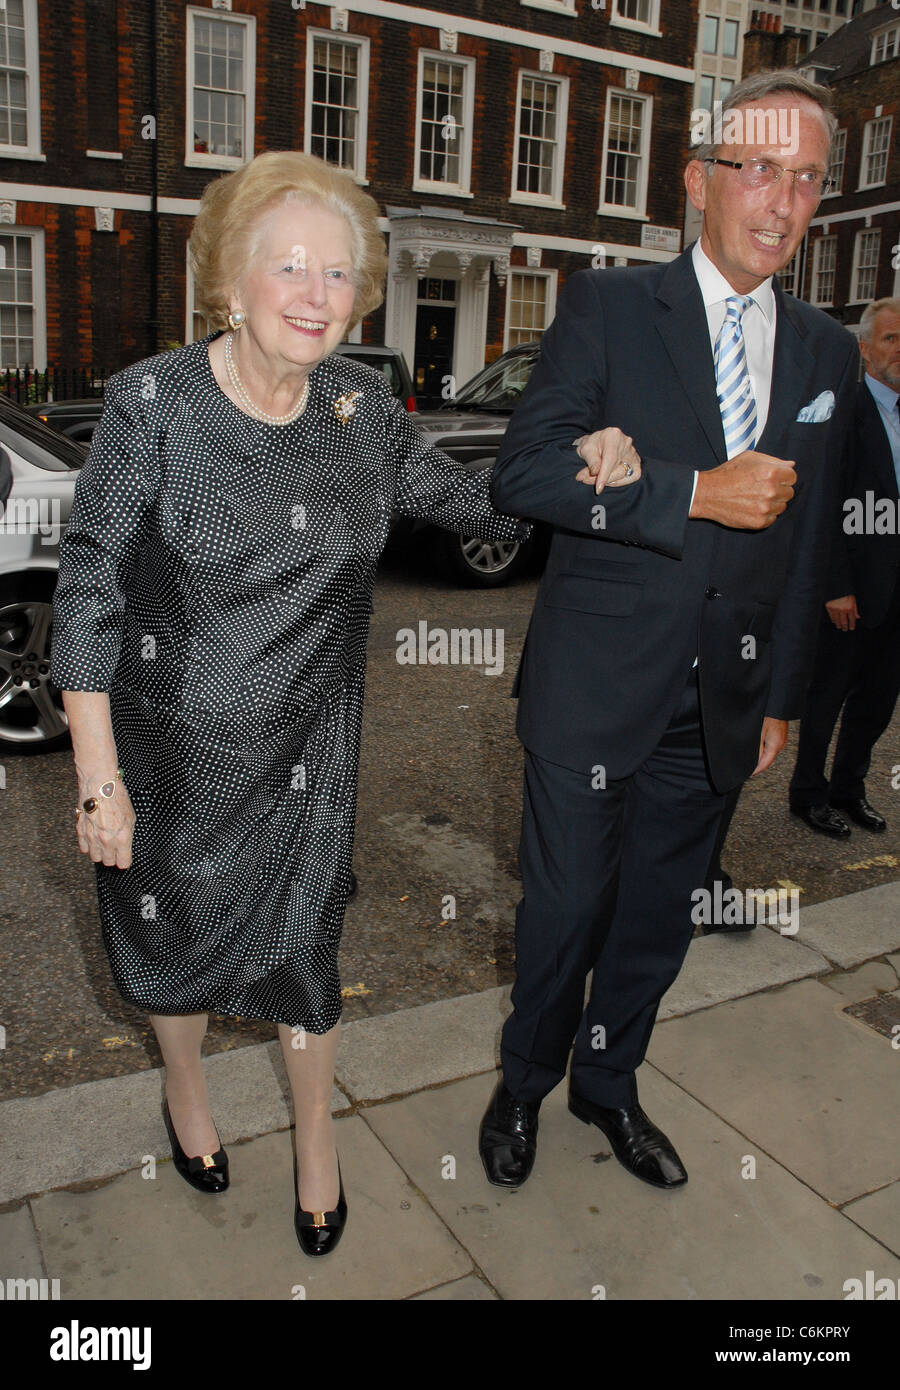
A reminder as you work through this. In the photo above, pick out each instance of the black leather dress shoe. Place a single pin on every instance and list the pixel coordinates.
(507, 1139)
(636, 1142)
(207, 1172)
(318, 1232)
(823, 819)
(859, 810)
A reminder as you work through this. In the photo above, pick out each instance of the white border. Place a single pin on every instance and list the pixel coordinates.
(853, 297)
(463, 188)
(638, 213)
(32, 91)
(542, 200)
(361, 43)
(550, 275)
(220, 161)
(38, 292)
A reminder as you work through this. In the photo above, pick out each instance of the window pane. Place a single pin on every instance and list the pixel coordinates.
(710, 34)
(441, 131)
(730, 38)
(537, 146)
(623, 151)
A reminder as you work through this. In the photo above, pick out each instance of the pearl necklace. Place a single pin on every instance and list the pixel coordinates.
(252, 409)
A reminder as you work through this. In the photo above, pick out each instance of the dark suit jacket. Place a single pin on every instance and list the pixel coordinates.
(622, 611)
(867, 565)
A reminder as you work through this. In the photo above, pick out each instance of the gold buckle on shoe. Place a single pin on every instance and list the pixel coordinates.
(208, 1161)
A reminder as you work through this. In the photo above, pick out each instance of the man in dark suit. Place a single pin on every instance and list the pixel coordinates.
(672, 635)
(858, 656)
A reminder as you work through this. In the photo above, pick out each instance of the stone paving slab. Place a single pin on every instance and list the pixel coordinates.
(136, 1238)
(583, 1228)
(864, 982)
(854, 928)
(879, 1214)
(402, 1052)
(806, 1083)
(20, 1252)
(728, 965)
(105, 1127)
(468, 1290)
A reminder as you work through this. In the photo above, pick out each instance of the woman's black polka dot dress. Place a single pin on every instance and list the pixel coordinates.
(216, 578)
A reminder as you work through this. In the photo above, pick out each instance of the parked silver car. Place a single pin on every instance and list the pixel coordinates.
(44, 466)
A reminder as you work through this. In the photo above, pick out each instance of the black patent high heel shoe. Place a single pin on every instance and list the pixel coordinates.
(208, 1172)
(318, 1232)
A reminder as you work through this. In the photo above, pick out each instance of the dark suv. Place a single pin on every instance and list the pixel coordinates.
(470, 427)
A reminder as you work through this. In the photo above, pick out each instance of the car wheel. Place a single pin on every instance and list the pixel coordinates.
(480, 564)
(32, 718)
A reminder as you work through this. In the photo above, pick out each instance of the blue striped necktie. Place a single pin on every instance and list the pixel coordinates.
(733, 386)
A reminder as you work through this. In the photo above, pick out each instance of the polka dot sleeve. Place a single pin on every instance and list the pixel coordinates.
(111, 505)
(435, 487)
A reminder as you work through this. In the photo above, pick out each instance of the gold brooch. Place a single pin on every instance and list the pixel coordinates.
(345, 406)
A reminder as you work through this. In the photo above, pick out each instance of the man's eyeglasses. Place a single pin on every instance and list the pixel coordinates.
(762, 173)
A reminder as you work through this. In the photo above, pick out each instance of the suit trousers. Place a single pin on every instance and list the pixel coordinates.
(607, 877)
(861, 671)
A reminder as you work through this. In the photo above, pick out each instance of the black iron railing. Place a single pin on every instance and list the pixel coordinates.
(29, 387)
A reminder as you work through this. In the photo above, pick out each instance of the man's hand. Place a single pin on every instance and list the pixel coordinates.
(771, 741)
(843, 612)
(746, 493)
(608, 454)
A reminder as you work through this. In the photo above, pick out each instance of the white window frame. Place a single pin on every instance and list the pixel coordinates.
(855, 297)
(839, 146)
(885, 34)
(555, 6)
(463, 188)
(32, 149)
(639, 213)
(189, 299)
(819, 246)
(726, 20)
(551, 276)
(701, 104)
(193, 158)
(793, 266)
(38, 293)
(639, 25)
(361, 43)
(868, 132)
(546, 200)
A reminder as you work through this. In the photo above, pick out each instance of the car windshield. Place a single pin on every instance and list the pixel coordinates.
(36, 442)
(499, 386)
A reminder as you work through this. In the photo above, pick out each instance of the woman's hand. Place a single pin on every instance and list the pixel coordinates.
(610, 459)
(106, 832)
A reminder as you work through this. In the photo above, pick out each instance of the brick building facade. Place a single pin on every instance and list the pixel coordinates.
(506, 146)
(851, 254)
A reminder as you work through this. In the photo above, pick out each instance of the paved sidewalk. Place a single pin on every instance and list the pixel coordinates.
(782, 1104)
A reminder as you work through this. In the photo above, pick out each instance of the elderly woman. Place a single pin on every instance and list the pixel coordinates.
(210, 639)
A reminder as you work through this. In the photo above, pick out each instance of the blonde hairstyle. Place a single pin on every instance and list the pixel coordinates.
(230, 226)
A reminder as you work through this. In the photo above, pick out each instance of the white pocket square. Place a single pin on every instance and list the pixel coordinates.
(820, 409)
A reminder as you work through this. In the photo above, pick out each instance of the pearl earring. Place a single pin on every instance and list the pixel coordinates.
(236, 320)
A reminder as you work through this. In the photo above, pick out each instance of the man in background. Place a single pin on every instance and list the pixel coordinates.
(858, 656)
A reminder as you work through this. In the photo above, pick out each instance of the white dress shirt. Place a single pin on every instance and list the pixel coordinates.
(758, 324)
